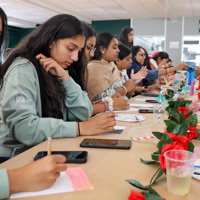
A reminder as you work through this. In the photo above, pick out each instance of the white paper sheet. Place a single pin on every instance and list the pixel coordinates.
(145, 98)
(65, 183)
(129, 110)
(119, 127)
(147, 105)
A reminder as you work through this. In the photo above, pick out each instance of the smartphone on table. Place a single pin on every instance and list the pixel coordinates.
(145, 111)
(151, 101)
(71, 156)
(106, 143)
(149, 94)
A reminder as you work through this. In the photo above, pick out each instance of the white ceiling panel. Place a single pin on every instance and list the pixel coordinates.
(27, 13)
(105, 3)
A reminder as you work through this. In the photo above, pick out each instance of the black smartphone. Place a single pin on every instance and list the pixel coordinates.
(151, 101)
(72, 156)
(106, 143)
(118, 131)
(149, 94)
(145, 111)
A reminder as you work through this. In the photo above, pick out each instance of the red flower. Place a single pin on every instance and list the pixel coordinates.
(192, 133)
(136, 196)
(184, 111)
(180, 142)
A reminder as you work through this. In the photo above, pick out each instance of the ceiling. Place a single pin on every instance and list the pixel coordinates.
(28, 13)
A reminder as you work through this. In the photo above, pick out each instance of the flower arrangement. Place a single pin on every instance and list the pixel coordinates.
(179, 131)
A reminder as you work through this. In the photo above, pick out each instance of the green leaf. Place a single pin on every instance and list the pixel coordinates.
(150, 196)
(185, 103)
(193, 120)
(181, 129)
(155, 156)
(190, 146)
(182, 118)
(171, 126)
(174, 116)
(169, 92)
(137, 184)
(160, 145)
(190, 113)
(147, 161)
(164, 139)
(167, 122)
(198, 131)
(158, 134)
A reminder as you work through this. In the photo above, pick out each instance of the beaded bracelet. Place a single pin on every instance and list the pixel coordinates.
(110, 102)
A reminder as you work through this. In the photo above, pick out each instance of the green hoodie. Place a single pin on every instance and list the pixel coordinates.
(21, 122)
(4, 184)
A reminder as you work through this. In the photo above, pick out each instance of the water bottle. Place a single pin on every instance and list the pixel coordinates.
(177, 80)
(191, 76)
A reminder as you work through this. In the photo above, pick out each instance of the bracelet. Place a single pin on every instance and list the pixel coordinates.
(124, 89)
(103, 104)
(79, 133)
(110, 102)
(60, 78)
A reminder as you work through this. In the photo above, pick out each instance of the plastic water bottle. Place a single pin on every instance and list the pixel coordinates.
(191, 76)
(177, 80)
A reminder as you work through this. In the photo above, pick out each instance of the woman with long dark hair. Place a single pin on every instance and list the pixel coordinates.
(38, 97)
(138, 61)
(104, 79)
(126, 36)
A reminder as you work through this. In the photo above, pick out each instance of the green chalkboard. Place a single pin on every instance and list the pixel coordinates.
(16, 34)
(114, 26)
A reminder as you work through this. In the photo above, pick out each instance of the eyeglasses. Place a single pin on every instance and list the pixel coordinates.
(91, 49)
(143, 54)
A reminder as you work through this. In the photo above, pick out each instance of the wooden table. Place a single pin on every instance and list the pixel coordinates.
(108, 169)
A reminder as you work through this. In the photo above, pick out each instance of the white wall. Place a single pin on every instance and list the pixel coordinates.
(173, 31)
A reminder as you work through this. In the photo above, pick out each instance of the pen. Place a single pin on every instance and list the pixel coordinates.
(137, 119)
(49, 146)
(107, 105)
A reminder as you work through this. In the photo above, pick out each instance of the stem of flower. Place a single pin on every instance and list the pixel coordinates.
(151, 181)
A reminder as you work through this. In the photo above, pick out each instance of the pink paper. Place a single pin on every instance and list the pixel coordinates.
(79, 178)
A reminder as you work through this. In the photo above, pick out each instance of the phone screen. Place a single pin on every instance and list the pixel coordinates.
(106, 143)
(149, 94)
(72, 156)
(151, 101)
(145, 111)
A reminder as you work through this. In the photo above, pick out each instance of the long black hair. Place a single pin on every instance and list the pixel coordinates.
(4, 33)
(80, 76)
(89, 31)
(103, 39)
(52, 91)
(123, 38)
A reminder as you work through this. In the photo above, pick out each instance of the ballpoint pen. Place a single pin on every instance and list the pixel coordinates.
(137, 119)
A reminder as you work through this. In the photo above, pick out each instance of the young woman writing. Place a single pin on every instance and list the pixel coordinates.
(38, 97)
